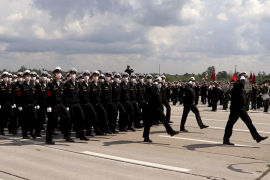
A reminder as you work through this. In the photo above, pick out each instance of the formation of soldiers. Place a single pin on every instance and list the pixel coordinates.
(213, 92)
(107, 103)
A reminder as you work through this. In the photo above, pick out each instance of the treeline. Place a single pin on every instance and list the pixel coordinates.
(221, 75)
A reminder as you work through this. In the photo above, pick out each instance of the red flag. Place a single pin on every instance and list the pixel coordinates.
(234, 78)
(253, 77)
(213, 77)
(250, 77)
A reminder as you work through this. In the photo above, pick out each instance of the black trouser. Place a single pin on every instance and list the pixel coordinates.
(142, 106)
(102, 117)
(174, 99)
(156, 114)
(196, 99)
(181, 99)
(259, 102)
(122, 114)
(7, 114)
(41, 112)
(29, 118)
(16, 118)
(214, 104)
(137, 114)
(112, 113)
(90, 116)
(234, 116)
(130, 113)
(209, 101)
(168, 109)
(77, 119)
(53, 118)
(203, 99)
(186, 110)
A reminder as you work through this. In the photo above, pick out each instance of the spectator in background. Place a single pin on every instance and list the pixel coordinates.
(129, 70)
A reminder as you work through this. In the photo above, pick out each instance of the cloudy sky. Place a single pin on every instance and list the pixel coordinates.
(181, 35)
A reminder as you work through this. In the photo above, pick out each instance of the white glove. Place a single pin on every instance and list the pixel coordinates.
(38, 107)
(0, 107)
(20, 108)
(67, 108)
(242, 77)
(14, 105)
(35, 107)
(190, 82)
(49, 109)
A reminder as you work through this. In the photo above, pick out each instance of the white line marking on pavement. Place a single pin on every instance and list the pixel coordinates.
(143, 163)
(243, 130)
(199, 140)
(224, 120)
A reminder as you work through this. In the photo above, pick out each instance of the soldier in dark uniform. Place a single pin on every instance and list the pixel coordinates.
(15, 89)
(55, 107)
(129, 70)
(197, 89)
(175, 92)
(154, 110)
(95, 90)
(214, 96)
(259, 96)
(190, 105)
(204, 92)
(254, 96)
(180, 92)
(165, 102)
(124, 99)
(209, 94)
(238, 110)
(140, 97)
(88, 110)
(71, 100)
(7, 105)
(169, 91)
(133, 100)
(106, 101)
(42, 102)
(26, 104)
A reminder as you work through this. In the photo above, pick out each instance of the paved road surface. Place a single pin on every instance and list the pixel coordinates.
(198, 154)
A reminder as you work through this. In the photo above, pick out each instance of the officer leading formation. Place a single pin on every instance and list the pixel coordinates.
(93, 104)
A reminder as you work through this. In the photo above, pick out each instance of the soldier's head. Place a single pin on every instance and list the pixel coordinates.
(95, 76)
(125, 77)
(128, 66)
(141, 78)
(86, 75)
(242, 75)
(33, 76)
(57, 73)
(72, 73)
(133, 78)
(44, 76)
(101, 78)
(117, 78)
(5, 76)
(158, 82)
(108, 76)
(27, 76)
(149, 78)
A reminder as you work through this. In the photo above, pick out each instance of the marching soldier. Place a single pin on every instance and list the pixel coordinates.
(95, 89)
(42, 102)
(124, 99)
(181, 91)
(140, 97)
(55, 107)
(190, 105)
(165, 101)
(214, 96)
(26, 104)
(154, 108)
(225, 99)
(259, 96)
(137, 113)
(238, 110)
(88, 110)
(197, 89)
(106, 101)
(204, 92)
(175, 92)
(7, 105)
(254, 96)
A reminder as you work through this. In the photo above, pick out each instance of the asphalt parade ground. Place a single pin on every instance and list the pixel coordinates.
(198, 154)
